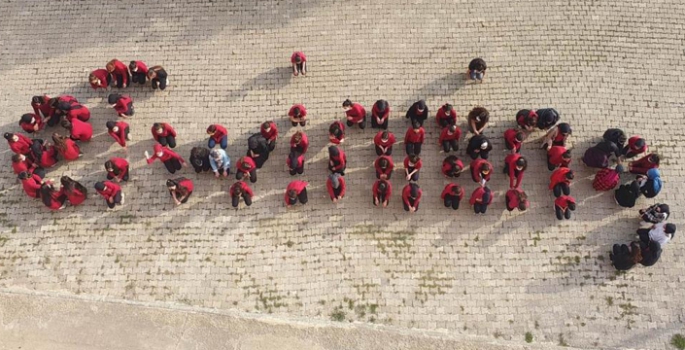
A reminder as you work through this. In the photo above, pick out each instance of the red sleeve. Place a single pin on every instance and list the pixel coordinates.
(220, 132)
(374, 189)
(174, 155)
(35, 184)
(120, 108)
(274, 131)
(441, 138)
(389, 191)
(247, 190)
(305, 143)
(407, 136)
(405, 195)
(377, 139)
(418, 198)
(422, 135)
(118, 139)
(329, 187)
(445, 191)
(170, 130)
(154, 134)
(406, 162)
(418, 165)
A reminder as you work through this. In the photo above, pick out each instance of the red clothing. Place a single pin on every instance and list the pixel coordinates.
(81, 130)
(101, 74)
(48, 158)
(303, 145)
(111, 190)
(57, 200)
(30, 127)
(416, 166)
(141, 68)
(22, 146)
(412, 137)
(559, 137)
(300, 162)
(376, 191)
(329, 187)
(378, 139)
(477, 196)
(187, 184)
(303, 111)
(75, 197)
(272, 134)
(24, 165)
(376, 114)
(445, 135)
(122, 165)
(120, 136)
(297, 185)
(335, 139)
(447, 167)
(606, 179)
(512, 198)
(388, 170)
(301, 54)
(246, 164)
(356, 114)
(340, 161)
(246, 189)
(642, 165)
(166, 131)
(406, 192)
(554, 156)
(563, 202)
(441, 115)
(44, 110)
(559, 176)
(511, 141)
(219, 133)
(475, 166)
(448, 191)
(78, 111)
(510, 161)
(122, 104)
(167, 155)
(32, 186)
(635, 149)
(71, 152)
(121, 69)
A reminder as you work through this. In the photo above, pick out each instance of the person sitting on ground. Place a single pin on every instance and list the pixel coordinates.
(158, 77)
(336, 187)
(238, 190)
(418, 112)
(627, 194)
(547, 118)
(655, 214)
(563, 206)
(413, 139)
(299, 62)
(298, 115)
(480, 199)
(624, 257)
(560, 181)
(336, 133)
(617, 136)
(513, 140)
(636, 145)
(383, 142)
(380, 115)
(122, 104)
(598, 156)
(651, 252)
(479, 146)
(642, 165)
(449, 138)
(452, 195)
(661, 233)
(607, 179)
(557, 136)
(446, 116)
(478, 120)
(516, 198)
(476, 71)
(452, 166)
(180, 189)
(355, 113)
(527, 119)
(381, 193)
(651, 184)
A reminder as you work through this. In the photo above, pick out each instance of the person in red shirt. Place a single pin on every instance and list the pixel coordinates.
(380, 115)
(119, 71)
(452, 195)
(246, 167)
(356, 114)
(514, 166)
(53, 199)
(337, 160)
(296, 191)
(270, 132)
(31, 123)
(418, 112)
(607, 179)
(31, 184)
(295, 163)
(66, 147)
(299, 142)
(336, 133)
(72, 111)
(79, 130)
(635, 146)
(336, 187)
(481, 170)
(480, 199)
(44, 155)
(411, 197)
(413, 139)
(560, 180)
(527, 119)
(217, 135)
(180, 189)
(99, 79)
(446, 116)
(21, 163)
(558, 156)
(298, 115)
(41, 107)
(452, 166)
(117, 169)
(119, 131)
(381, 193)
(75, 192)
(412, 165)
(384, 167)
(299, 62)
(563, 206)
(478, 120)
(516, 199)
(60, 106)
(138, 71)
(111, 192)
(513, 140)
(449, 138)
(164, 134)
(556, 136)
(18, 143)
(122, 104)
(172, 161)
(383, 142)
(642, 165)
(238, 190)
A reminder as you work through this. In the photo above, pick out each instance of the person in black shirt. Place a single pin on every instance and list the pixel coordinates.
(477, 69)
(624, 257)
(418, 112)
(479, 145)
(650, 253)
(617, 136)
(199, 158)
(627, 194)
(158, 77)
(258, 149)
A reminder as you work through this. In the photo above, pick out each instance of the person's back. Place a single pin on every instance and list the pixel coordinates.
(627, 194)
(651, 252)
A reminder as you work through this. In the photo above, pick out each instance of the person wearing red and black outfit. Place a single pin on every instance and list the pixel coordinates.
(380, 115)
(449, 138)
(479, 146)
(296, 191)
(111, 192)
(381, 193)
(75, 192)
(384, 167)
(516, 199)
(246, 167)
(527, 119)
(270, 132)
(31, 184)
(298, 115)
(412, 165)
(337, 160)
(258, 149)
(514, 166)
(100, 79)
(642, 165)
(563, 206)
(53, 199)
(138, 71)
(158, 77)
(513, 140)
(164, 134)
(336, 133)
(217, 135)
(238, 190)
(18, 143)
(299, 62)
(31, 123)
(558, 156)
(299, 142)
(607, 179)
(336, 187)
(411, 197)
(180, 189)
(119, 71)
(119, 131)
(355, 113)
(44, 155)
(21, 163)
(418, 112)
(60, 106)
(557, 136)
(478, 120)
(560, 180)
(79, 130)
(66, 147)
(480, 199)
(41, 107)
(635, 146)
(413, 139)
(452, 166)
(295, 163)
(481, 170)
(117, 169)
(71, 111)
(452, 196)
(122, 104)
(172, 161)
(446, 116)
(383, 142)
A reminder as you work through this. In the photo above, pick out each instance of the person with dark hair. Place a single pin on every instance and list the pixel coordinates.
(53, 199)
(527, 119)
(138, 71)
(299, 62)
(78, 130)
(627, 194)
(547, 118)
(560, 181)
(476, 70)
(60, 106)
(480, 199)
(66, 147)
(446, 116)
(636, 145)
(514, 166)
(258, 149)
(617, 136)
(217, 135)
(30, 183)
(563, 206)
(516, 198)
(18, 143)
(299, 142)
(558, 157)
(381, 190)
(158, 77)
(336, 187)
(172, 161)
(246, 168)
(72, 111)
(607, 179)
(642, 165)
(411, 197)
(413, 139)
(513, 140)
(449, 138)
(298, 115)
(122, 104)
(452, 166)
(238, 190)
(380, 115)
(661, 233)
(295, 162)
(557, 136)
(99, 79)
(119, 131)
(478, 120)
(180, 189)
(270, 132)
(481, 170)
(117, 169)
(75, 192)
(21, 163)
(355, 113)
(41, 107)
(336, 133)
(655, 214)
(383, 142)
(296, 191)
(111, 192)
(220, 162)
(451, 195)
(31, 123)
(199, 159)
(384, 167)
(164, 134)
(119, 71)
(650, 185)
(337, 160)
(412, 165)
(479, 146)
(651, 252)
(624, 257)
(418, 112)
(44, 155)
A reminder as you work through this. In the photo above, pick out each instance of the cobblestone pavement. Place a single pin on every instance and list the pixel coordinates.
(600, 63)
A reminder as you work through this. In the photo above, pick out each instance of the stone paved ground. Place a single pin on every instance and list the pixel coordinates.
(600, 63)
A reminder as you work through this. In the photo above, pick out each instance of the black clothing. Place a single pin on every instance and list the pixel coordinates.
(415, 116)
(380, 152)
(651, 252)
(258, 144)
(620, 256)
(200, 160)
(480, 208)
(450, 145)
(561, 214)
(627, 194)
(547, 117)
(172, 165)
(235, 200)
(478, 64)
(253, 175)
(473, 149)
(413, 148)
(168, 140)
(160, 80)
(617, 136)
(302, 197)
(452, 201)
(561, 188)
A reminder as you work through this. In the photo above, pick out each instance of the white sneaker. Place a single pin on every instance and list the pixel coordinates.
(122, 198)
(128, 137)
